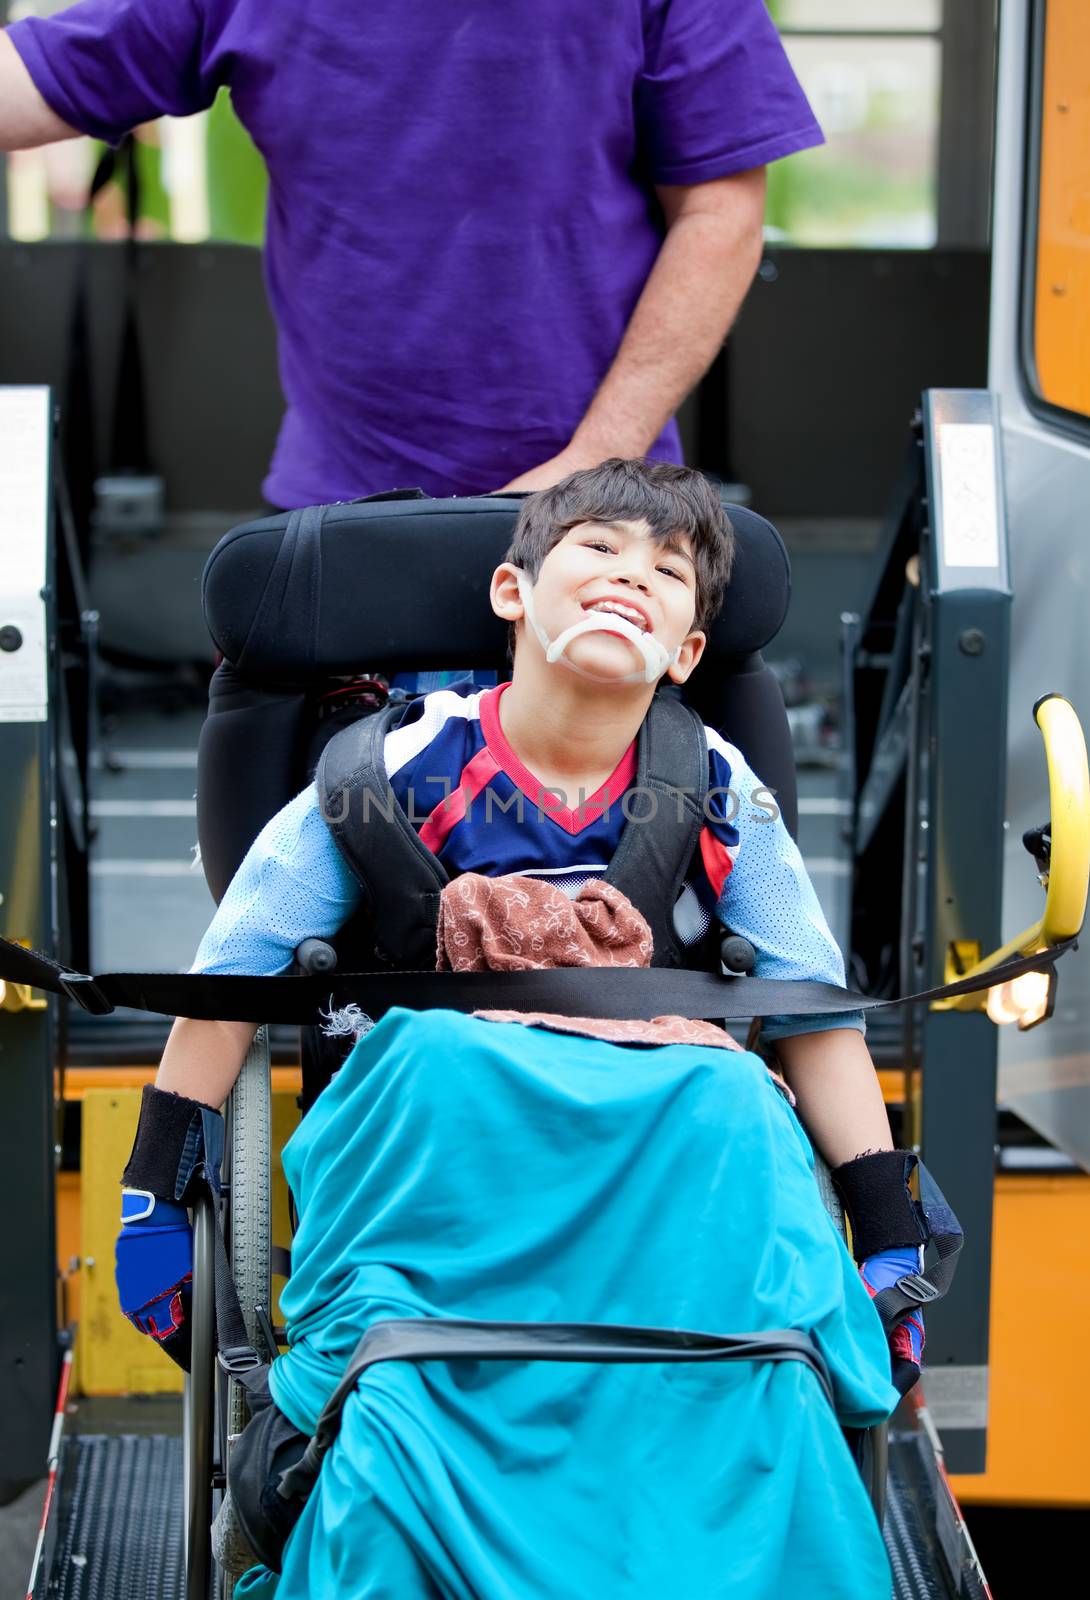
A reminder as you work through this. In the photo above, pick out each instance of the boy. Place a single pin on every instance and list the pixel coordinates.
(610, 581)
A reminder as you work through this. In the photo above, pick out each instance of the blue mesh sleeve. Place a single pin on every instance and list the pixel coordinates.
(292, 885)
(768, 899)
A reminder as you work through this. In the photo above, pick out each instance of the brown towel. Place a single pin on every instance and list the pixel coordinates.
(518, 924)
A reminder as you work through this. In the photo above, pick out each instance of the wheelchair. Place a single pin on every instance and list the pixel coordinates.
(310, 610)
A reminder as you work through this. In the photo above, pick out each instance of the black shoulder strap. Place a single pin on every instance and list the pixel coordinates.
(378, 841)
(666, 815)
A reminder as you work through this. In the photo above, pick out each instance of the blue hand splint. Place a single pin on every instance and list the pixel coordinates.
(906, 1342)
(153, 1263)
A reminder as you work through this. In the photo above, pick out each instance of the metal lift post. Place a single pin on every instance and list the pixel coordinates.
(927, 672)
(28, 1288)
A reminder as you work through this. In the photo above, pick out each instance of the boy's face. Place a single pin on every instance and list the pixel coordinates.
(599, 565)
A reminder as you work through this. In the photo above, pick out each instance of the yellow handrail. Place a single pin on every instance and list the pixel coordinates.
(1069, 863)
(1069, 792)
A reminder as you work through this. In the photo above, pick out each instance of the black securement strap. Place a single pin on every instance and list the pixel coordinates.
(235, 1353)
(441, 1339)
(396, 870)
(234, 1347)
(660, 837)
(618, 992)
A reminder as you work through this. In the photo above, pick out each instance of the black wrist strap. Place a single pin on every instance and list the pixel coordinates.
(876, 1192)
(918, 1289)
(937, 1228)
(168, 1143)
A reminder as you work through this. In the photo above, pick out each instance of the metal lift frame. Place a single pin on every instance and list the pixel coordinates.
(927, 666)
(28, 853)
(47, 696)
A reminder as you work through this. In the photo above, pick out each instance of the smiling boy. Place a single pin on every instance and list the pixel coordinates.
(609, 584)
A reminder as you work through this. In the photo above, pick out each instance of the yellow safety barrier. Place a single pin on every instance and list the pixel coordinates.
(1028, 1000)
(20, 996)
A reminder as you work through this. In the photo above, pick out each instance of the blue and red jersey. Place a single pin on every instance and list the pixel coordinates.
(479, 809)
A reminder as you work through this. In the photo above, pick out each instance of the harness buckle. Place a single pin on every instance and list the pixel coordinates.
(239, 1359)
(82, 988)
(915, 1287)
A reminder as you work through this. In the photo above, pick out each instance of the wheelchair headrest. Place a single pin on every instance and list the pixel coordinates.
(394, 583)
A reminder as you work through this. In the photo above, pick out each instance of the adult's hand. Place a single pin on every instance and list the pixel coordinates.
(551, 471)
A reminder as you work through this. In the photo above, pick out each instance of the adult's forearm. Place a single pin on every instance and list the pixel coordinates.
(839, 1097)
(700, 277)
(203, 1059)
(25, 119)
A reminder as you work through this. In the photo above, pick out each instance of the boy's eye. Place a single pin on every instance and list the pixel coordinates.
(599, 544)
(673, 573)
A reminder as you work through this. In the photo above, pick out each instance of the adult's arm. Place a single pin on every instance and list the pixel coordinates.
(700, 277)
(103, 67)
(25, 119)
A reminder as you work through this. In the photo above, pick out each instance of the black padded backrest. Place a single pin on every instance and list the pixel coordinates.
(396, 584)
(310, 594)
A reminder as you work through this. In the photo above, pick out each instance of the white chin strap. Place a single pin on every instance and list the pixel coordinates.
(656, 660)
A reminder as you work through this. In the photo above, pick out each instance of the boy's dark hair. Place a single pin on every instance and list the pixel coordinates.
(672, 500)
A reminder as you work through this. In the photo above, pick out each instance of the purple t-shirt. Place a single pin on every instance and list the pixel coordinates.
(461, 206)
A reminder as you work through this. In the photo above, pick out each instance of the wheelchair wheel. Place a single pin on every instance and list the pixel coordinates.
(829, 1197)
(872, 1457)
(197, 1406)
(248, 1229)
(869, 1446)
(249, 1232)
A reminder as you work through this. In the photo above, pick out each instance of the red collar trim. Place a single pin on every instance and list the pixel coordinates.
(619, 780)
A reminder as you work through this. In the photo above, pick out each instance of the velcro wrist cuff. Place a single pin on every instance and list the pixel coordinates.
(876, 1192)
(167, 1142)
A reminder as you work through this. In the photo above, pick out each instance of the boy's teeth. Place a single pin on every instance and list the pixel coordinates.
(619, 610)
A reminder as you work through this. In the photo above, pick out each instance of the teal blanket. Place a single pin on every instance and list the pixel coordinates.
(463, 1168)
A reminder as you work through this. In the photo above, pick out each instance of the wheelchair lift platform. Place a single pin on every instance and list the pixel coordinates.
(115, 1529)
(120, 1532)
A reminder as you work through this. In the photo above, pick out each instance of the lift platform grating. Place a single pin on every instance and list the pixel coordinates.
(930, 1553)
(122, 1520)
(911, 1561)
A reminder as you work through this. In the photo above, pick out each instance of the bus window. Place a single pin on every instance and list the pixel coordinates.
(872, 74)
(1059, 343)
